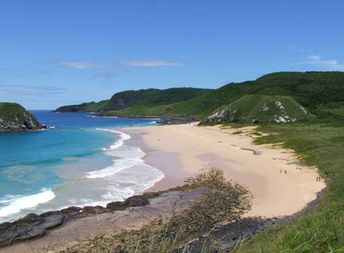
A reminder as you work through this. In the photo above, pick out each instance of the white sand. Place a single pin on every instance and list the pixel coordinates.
(274, 193)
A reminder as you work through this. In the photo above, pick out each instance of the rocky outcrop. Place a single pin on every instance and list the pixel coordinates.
(14, 117)
(259, 109)
(33, 225)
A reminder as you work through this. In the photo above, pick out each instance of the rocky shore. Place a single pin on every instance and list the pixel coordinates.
(33, 225)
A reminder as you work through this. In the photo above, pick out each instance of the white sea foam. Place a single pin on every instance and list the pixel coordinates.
(14, 204)
(129, 173)
(119, 164)
(127, 159)
(128, 182)
(117, 144)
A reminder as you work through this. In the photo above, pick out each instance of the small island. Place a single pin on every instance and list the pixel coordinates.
(14, 117)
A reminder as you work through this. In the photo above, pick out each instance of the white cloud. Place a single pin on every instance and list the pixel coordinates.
(100, 70)
(152, 63)
(318, 61)
(83, 65)
(30, 89)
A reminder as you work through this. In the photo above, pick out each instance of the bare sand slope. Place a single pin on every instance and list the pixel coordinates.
(279, 184)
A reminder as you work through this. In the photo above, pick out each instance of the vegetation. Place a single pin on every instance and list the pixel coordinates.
(223, 199)
(138, 102)
(259, 109)
(316, 91)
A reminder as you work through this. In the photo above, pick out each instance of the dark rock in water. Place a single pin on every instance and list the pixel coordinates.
(116, 205)
(136, 201)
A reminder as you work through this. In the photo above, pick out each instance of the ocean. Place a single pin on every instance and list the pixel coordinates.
(81, 159)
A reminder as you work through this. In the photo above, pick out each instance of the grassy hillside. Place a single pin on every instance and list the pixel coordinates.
(85, 107)
(320, 92)
(259, 109)
(310, 89)
(138, 102)
(14, 117)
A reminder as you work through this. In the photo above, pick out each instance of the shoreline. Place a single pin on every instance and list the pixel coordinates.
(204, 147)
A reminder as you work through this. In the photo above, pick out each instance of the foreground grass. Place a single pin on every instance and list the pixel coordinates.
(222, 201)
(322, 228)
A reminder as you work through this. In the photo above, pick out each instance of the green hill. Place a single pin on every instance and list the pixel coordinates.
(259, 109)
(313, 90)
(138, 103)
(84, 107)
(14, 117)
(321, 93)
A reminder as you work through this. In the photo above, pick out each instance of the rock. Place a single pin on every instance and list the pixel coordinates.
(31, 218)
(71, 212)
(93, 210)
(20, 233)
(53, 221)
(255, 121)
(5, 226)
(29, 227)
(33, 225)
(176, 120)
(150, 195)
(137, 200)
(30, 233)
(116, 205)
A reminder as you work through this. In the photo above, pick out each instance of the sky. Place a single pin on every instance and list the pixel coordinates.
(54, 53)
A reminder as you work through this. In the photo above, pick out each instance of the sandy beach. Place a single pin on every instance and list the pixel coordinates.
(279, 184)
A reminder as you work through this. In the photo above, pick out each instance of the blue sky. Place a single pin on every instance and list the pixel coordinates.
(63, 52)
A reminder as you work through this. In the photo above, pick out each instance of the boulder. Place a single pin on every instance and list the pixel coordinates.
(53, 221)
(93, 210)
(116, 205)
(137, 200)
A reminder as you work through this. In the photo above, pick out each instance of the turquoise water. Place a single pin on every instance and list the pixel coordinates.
(80, 160)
